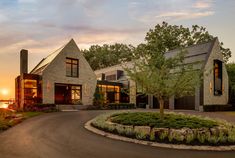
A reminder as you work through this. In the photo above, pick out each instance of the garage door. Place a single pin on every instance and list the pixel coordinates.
(186, 103)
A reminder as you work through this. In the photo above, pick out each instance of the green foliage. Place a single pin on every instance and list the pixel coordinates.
(5, 112)
(121, 106)
(231, 74)
(189, 137)
(222, 133)
(141, 135)
(108, 55)
(98, 99)
(163, 135)
(165, 37)
(152, 119)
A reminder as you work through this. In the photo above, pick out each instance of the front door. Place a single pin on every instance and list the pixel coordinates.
(62, 94)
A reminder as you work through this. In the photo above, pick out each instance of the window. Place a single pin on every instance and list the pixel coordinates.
(76, 93)
(72, 67)
(111, 77)
(30, 91)
(218, 77)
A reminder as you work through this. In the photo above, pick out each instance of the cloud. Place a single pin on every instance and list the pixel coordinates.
(169, 10)
(203, 4)
(183, 15)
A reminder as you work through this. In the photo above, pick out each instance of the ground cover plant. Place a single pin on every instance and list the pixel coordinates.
(175, 128)
(153, 120)
(9, 118)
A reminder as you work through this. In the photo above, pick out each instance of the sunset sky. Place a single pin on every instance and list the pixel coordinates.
(42, 26)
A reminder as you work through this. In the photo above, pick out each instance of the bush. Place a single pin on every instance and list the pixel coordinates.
(121, 106)
(152, 119)
(41, 108)
(213, 133)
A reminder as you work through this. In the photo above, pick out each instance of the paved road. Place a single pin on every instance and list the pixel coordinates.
(62, 135)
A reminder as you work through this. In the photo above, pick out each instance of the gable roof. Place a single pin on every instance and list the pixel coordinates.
(38, 69)
(195, 53)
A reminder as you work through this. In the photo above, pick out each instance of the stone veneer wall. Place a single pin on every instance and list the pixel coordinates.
(209, 97)
(56, 73)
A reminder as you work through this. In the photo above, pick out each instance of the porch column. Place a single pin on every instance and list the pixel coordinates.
(197, 98)
(172, 103)
(132, 88)
(150, 101)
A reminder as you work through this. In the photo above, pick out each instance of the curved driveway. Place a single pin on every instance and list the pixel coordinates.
(62, 135)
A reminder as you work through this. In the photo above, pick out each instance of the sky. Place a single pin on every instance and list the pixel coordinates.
(42, 26)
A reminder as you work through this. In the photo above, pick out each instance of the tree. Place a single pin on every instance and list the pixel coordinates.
(164, 77)
(166, 37)
(108, 55)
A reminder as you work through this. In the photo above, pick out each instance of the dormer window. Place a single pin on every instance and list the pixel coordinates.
(218, 77)
(72, 68)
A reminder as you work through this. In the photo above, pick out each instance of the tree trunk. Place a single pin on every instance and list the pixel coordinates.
(161, 102)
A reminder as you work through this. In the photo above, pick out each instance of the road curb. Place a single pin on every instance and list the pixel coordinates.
(155, 144)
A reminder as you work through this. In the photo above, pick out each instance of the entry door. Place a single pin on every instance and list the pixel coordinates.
(62, 94)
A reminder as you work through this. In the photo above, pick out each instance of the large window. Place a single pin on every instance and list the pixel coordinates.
(218, 77)
(30, 91)
(72, 66)
(111, 93)
(76, 94)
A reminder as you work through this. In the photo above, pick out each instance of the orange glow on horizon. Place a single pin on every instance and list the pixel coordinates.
(4, 91)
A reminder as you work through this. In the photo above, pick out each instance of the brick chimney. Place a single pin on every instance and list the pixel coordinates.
(23, 61)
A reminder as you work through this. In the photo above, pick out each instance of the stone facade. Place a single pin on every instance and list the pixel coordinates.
(208, 81)
(55, 72)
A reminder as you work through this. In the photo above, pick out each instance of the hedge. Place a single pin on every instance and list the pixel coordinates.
(121, 106)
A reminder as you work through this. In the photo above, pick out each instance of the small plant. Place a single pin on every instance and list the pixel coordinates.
(213, 139)
(201, 137)
(163, 134)
(189, 137)
(140, 135)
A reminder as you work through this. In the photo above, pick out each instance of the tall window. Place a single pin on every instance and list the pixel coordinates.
(76, 94)
(72, 67)
(217, 77)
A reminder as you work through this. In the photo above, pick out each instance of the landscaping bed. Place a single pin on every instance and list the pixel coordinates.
(174, 128)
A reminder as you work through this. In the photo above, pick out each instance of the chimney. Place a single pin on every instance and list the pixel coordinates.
(23, 61)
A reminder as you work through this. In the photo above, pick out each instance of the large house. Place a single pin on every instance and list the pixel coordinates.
(214, 88)
(65, 77)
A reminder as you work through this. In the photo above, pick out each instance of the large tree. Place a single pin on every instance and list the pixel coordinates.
(108, 55)
(164, 77)
(165, 37)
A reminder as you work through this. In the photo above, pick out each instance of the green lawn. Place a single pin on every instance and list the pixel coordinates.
(7, 123)
(152, 119)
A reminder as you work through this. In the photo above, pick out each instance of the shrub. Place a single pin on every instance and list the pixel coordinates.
(190, 136)
(5, 112)
(121, 106)
(140, 135)
(41, 108)
(222, 133)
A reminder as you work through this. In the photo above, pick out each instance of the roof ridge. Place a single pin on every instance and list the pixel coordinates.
(193, 45)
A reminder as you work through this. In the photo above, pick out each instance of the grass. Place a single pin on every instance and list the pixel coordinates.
(152, 119)
(7, 123)
(30, 114)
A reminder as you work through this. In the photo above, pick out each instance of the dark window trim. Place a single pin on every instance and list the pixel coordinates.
(71, 67)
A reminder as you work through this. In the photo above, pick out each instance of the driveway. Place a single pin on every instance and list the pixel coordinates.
(62, 135)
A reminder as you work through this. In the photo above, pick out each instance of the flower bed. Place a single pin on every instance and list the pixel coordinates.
(185, 129)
